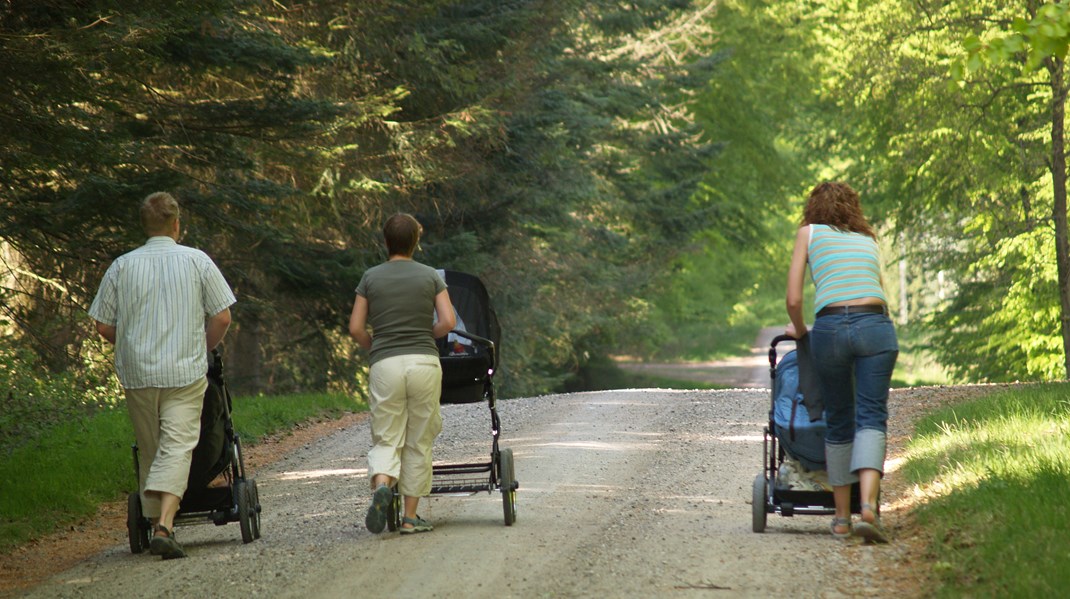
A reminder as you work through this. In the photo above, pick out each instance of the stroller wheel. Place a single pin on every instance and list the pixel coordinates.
(507, 480)
(758, 500)
(243, 493)
(255, 505)
(137, 526)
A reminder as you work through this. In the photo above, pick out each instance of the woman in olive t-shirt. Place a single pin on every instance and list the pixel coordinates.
(398, 300)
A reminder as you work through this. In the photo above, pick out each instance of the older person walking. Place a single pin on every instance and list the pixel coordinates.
(165, 307)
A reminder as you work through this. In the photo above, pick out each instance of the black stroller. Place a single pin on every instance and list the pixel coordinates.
(218, 452)
(791, 433)
(469, 358)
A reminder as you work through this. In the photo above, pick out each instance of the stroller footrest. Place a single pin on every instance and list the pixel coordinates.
(460, 485)
(456, 469)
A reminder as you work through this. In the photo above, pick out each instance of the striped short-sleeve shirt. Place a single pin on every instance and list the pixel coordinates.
(844, 266)
(158, 297)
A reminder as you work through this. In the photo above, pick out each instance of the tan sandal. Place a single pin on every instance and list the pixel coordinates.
(871, 532)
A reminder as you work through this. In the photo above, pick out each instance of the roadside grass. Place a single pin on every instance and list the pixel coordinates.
(61, 477)
(998, 470)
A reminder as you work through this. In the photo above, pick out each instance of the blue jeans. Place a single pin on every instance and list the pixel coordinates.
(854, 356)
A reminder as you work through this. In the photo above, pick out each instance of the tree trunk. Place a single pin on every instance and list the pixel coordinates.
(244, 353)
(1058, 178)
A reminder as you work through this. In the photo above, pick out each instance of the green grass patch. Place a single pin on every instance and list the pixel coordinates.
(62, 476)
(1001, 465)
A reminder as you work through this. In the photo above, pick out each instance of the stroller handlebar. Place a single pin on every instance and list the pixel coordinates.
(486, 343)
(781, 339)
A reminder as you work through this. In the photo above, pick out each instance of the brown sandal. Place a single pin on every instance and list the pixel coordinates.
(165, 544)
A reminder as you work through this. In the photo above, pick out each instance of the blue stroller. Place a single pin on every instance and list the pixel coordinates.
(795, 434)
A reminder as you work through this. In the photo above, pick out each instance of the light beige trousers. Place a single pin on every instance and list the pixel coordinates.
(167, 426)
(404, 394)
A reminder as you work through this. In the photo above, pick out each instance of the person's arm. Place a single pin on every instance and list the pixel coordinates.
(216, 328)
(447, 318)
(796, 277)
(358, 323)
(106, 331)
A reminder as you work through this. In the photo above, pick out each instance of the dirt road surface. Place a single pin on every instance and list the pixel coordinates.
(627, 493)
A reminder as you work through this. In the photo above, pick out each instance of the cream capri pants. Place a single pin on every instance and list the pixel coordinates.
(404, 392)
(167, 426)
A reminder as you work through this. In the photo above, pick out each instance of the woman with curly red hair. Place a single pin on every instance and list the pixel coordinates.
(853, 344)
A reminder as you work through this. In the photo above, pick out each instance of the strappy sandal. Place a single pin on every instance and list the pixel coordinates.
(841, 522)
(165, 545)
(871, 532)
(418, 525)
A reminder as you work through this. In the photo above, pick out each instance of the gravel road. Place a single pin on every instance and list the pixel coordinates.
(633, 493)
(626, 493)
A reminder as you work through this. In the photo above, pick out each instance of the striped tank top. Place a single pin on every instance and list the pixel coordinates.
(844, 266)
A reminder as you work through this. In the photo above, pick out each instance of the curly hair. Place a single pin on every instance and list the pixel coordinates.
(836, 204)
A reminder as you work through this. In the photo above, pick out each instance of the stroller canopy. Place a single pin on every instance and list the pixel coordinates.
(472, 304)
(468, 365)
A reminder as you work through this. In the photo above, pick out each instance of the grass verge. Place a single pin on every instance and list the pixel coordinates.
(998, 470)
(61, 477)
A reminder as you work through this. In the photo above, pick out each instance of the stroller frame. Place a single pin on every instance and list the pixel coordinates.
(766, 497)
(238, 501)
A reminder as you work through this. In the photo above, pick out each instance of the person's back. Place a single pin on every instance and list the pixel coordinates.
(161, 296)
(844, 265)
(401, 307)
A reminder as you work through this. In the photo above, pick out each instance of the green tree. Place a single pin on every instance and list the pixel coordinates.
(960, 170)
(105, 103)
(1038, 42)
(758, 110)
(546, 146)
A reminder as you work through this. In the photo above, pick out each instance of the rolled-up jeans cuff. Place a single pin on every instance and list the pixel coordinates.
(870, 449)
(838, 462)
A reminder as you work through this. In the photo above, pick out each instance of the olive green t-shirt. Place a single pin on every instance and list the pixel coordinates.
(401, 308)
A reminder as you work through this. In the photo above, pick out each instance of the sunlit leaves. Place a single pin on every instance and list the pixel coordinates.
(1047, 34)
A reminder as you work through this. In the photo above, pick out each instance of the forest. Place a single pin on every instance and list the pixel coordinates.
(625, 177)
